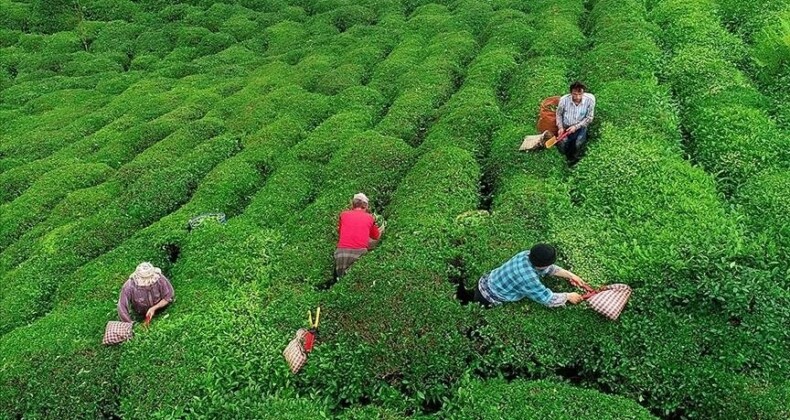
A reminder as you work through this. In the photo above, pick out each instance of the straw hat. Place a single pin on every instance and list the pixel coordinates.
(146, 274)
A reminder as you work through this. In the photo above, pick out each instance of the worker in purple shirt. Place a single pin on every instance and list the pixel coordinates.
(146, 291)
(520, 277)
(575, 112)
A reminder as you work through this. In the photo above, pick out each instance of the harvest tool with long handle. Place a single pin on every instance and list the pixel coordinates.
(554, 140)
(539, 141)
(609, 300)
(310, 336)
(296, 352)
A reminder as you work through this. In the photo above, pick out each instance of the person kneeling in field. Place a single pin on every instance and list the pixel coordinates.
(520, 277)
(147, 290)
(575, 112)
(357, 233)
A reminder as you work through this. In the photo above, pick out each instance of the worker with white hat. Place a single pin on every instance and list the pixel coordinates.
(146, 291)
(357, 232)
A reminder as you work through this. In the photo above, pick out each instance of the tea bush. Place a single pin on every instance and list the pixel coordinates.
(124, 120)
(31, 207)
(531, 399)
(394, 327)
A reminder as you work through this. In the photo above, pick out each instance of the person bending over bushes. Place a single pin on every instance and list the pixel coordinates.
(520, 277)
(575, 112)
(147, 290)
(357, 233)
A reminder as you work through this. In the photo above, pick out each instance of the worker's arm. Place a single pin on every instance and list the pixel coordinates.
(573, 278)
(152, 310)
(123, 304)
(167, 293)
(590, 115)
(560, 299)
(375, 233)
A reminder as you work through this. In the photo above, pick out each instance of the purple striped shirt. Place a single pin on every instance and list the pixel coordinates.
(142, 298)
(568, 113)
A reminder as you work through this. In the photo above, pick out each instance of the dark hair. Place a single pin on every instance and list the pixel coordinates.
(542, 255)
(577, 85)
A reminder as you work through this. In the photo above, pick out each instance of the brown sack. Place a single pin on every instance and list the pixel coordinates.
(547, 116)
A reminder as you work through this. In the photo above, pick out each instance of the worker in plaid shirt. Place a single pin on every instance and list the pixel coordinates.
(520, 277)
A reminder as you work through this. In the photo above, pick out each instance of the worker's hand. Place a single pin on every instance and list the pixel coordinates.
(150, 313)
(577, 281)
(574, 298)
(571, 129)
(561, 130)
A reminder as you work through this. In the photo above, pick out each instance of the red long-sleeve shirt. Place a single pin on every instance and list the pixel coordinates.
(356, 228)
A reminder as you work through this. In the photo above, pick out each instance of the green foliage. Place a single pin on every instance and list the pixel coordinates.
(538, 399)
(57, 368)
(737, 159)
(241, 27)
(697, 72)
(31, 207)
(772, 44)
(748, 18)
(765, 200)
(695, 23)
(422, 320)
(509, 27)
(14, 15)
(469, 122)
(535, 80)
(110, 10)
(631, 59)
(50, 16)
(117, 36)
(122, 120)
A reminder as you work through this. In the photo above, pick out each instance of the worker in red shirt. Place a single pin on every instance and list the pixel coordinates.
(357, 233)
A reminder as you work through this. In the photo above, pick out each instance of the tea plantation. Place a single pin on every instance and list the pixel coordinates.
(121, 120)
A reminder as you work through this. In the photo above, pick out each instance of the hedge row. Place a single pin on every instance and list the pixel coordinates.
(770, 51)
(747, 19)
(496, 398)
(723, 112)
(426, 86)
(392, 359)
(382, 162)
(99, 280)
(394, 325)
(74, 207)
(725, 118)
(530, 200)
(91, 290)
(31, 207)
(104, 391)
(145, 199)
(27, 143)
(648, 215)
(143, 101)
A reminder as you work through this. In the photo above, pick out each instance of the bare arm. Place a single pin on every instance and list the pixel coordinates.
(572, 278)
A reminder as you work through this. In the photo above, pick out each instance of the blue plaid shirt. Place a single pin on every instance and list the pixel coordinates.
(517, 279)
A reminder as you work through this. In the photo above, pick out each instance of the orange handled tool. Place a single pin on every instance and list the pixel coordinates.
(554, 140)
